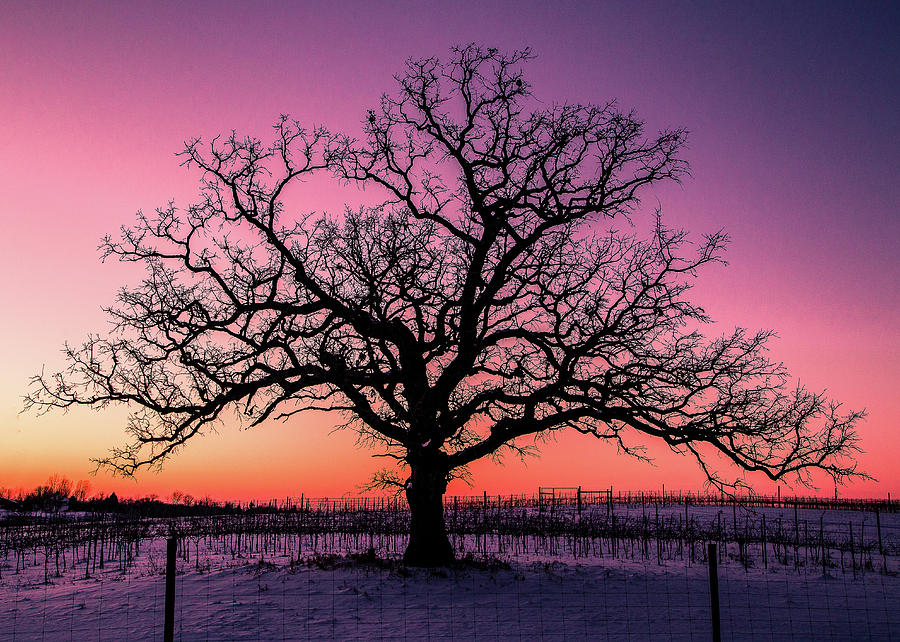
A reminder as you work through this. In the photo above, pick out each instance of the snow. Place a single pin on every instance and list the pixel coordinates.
(609, 599)
(516, 595)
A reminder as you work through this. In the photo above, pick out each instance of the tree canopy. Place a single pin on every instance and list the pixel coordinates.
(497, 292)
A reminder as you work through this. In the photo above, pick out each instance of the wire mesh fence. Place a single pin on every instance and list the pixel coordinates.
(639, 571)
(525, 600)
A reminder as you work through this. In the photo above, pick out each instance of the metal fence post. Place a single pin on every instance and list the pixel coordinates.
(169, 630)
(714, 591)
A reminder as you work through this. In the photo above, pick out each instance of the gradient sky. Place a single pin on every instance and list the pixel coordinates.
(794, 113)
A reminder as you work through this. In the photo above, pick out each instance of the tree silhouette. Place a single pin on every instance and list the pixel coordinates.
(487, 299)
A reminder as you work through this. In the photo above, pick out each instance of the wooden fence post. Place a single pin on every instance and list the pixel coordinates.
(714, 591)
(169, 630)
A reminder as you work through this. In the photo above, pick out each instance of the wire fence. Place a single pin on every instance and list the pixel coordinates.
(545, 571)
(341, 599)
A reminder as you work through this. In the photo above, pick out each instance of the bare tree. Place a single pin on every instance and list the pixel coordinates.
(487, 300)
(82, 489)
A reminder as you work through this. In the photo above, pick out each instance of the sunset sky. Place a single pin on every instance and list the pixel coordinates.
(794, 114)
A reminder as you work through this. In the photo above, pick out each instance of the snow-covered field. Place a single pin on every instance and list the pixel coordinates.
(260, 594)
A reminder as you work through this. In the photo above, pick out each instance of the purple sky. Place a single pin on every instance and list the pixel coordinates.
(794, 113)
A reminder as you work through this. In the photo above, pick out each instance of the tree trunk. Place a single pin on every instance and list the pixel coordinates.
(429, 544)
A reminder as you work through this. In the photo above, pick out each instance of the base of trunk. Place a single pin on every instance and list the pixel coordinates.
(429, 552)
(429, 544)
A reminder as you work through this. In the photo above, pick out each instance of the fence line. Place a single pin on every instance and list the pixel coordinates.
(572, 495)
(267, 594)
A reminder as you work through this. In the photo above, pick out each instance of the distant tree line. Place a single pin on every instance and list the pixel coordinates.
(60, 494)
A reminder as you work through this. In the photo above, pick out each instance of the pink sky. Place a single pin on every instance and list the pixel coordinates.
(794, 115)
